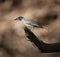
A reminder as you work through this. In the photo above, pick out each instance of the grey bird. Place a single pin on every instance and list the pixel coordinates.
(29, 23)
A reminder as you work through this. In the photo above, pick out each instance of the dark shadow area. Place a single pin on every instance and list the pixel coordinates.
(43, 47)
(50, 16)
(16, 3)
(1, 1)
(57, 2)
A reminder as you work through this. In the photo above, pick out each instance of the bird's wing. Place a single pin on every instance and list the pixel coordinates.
(30, 22)
(36, 24)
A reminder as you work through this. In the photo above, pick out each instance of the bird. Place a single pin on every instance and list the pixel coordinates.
(29, 23)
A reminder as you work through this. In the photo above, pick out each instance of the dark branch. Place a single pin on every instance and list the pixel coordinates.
(43, 47)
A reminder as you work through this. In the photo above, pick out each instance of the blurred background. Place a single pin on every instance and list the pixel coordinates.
(13, 40)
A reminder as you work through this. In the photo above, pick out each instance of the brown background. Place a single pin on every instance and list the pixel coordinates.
(12, 36)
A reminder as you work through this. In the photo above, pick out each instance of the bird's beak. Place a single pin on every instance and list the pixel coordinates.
(16, 19)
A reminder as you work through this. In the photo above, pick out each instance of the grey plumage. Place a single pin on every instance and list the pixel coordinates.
(31, 24)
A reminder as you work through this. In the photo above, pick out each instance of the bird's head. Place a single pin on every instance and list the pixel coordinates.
(19, 18)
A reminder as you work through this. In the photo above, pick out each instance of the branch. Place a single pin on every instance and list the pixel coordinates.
(43, 47)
